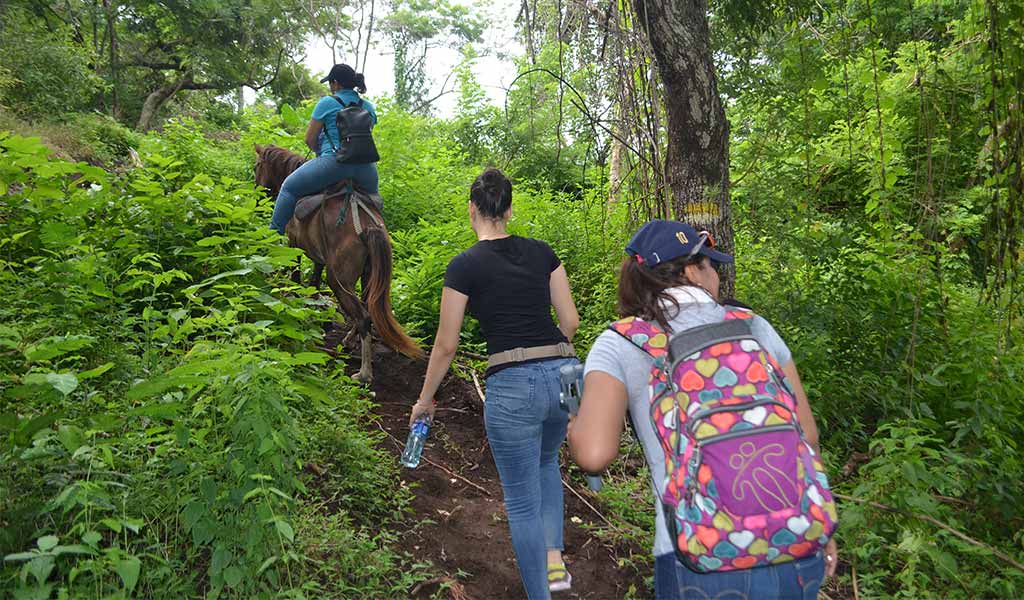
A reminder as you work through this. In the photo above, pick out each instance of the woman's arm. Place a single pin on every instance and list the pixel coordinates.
(561, 298)
(453, 311)
(313, 135)
(803, 408)
(594, 433)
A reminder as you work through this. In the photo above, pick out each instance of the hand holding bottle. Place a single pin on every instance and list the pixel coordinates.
(422, 407)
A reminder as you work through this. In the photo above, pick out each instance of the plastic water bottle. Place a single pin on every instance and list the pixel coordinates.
(414, 443)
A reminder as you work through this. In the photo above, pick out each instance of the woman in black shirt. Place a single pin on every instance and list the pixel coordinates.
(509, 284)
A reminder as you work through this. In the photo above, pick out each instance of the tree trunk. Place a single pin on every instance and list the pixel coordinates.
(697, 162)
(369, 35)
(114, 74)
(155, 101)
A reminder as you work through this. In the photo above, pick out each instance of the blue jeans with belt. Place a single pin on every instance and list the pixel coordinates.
(315, 175)
(525, 428)
(796, 580)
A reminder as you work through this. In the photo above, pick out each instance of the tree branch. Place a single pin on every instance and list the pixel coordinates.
(580, 105)
(428, 102)
(157, 66)
(277, 69)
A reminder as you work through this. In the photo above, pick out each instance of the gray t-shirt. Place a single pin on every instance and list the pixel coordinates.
(618, 357)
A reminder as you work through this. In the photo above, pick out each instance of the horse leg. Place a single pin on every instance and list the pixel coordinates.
(364, 278)
(365, 373)
(352, 333)
(361, 327)
(297, 271)
(317, 279)
(356, 313)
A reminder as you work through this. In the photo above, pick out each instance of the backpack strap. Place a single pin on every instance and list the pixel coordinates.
(735, 312)
(644, 335)
(652, 340)
(328, 135)
(358, 102)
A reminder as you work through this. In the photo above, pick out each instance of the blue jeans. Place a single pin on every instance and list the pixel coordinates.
(797, 580)
(315, 175)
(526, 427)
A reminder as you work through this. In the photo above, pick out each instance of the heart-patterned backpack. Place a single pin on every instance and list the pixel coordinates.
(743, 487)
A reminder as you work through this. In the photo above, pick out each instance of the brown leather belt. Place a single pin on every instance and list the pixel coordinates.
(563, 349)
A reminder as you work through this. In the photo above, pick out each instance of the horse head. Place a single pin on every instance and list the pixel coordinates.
(273, 165)
(261, 172)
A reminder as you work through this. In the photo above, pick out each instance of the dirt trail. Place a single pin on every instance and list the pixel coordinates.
(467, 536)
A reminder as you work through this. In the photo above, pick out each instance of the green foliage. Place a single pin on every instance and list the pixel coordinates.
(161, 391)
(422, 176)
(110, 141)
(44, 74)
(200, 151)
(421, 255)
(864, 217)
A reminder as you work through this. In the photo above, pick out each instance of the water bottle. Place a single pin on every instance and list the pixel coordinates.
(414, 443)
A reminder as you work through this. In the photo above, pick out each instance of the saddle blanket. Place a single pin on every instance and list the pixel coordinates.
(307, 205)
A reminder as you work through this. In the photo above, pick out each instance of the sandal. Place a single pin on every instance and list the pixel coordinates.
(559, 579)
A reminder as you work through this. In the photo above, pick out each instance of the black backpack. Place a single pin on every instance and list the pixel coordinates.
(355, 140)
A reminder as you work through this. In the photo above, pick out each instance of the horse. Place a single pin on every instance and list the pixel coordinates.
(328, 236)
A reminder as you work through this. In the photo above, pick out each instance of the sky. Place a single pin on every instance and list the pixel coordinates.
(493, 72)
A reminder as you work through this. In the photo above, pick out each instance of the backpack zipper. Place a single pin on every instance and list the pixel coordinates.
(713, 342)
(743, 407)
(746, 432)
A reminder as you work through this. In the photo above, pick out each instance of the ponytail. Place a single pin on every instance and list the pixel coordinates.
(643, 290)
(359, 83)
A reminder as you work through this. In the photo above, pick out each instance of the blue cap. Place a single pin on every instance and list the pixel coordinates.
(659, 241)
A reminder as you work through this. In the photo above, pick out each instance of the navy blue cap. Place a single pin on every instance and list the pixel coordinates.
(341, 73)
(659, 241)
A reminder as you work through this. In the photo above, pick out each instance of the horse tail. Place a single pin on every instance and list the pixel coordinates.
(378, 294)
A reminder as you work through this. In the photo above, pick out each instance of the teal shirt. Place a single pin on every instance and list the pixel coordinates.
(327, 108)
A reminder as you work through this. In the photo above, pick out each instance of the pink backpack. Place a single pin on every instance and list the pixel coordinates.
(743, 488)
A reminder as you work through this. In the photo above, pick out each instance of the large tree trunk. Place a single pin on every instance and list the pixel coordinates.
(697, 163)
(155, 101)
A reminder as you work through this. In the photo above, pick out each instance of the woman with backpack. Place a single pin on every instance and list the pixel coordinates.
(743, 506)
(509, 283)
(323, 140)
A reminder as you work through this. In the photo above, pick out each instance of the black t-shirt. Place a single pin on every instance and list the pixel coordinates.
(507, 281)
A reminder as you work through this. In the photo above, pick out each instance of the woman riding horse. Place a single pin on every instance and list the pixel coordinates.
(332, 236)
(322, 139)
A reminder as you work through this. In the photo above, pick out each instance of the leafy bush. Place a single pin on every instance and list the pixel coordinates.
(111, 140)
(159, 386)
(47, 75)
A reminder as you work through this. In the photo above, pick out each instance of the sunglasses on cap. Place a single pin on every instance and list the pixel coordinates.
(705, 238)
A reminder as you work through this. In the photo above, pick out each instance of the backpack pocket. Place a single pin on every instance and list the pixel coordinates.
(754, 472)
(357, 148)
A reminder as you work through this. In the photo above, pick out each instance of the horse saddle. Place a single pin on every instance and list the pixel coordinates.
(307, 205)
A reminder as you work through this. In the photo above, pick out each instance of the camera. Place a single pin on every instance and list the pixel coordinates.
(571, 380)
